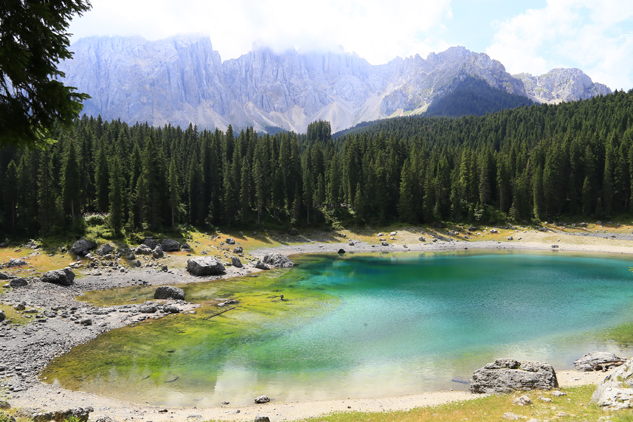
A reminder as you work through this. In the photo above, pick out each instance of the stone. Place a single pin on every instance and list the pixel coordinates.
(158, 252)
(558, 393)
(421, 239)
(494, 231)
(170, 245)
(169, 292)
(380, 234)
(522, 401)
(230, 241)
(171, 309)
(554, 246)
(137, 263)
(341, 251)
(150, 243)
(63, 277)
(80, 413)
(20, 306)
(185, 246)
(2, 316)
(143, 250)
(262, 418)
(82, 246)
(510, 238)
(4, 405)
(508, 375)
(277, 260)
(148, 308)
(86, 322)
(3, 276)
(261, 266)
(205, 265)
(15, 262)
(104, 249)
(262, 399)
(104, 419)
(511, 416)
(393, 233)
(238, 249)
(235, 261)
(598, 361)
(384, 243)
(18, 282)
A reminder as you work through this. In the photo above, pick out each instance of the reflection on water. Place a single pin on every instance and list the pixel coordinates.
(360, 327)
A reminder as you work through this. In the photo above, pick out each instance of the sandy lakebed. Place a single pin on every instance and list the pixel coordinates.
(61, 324)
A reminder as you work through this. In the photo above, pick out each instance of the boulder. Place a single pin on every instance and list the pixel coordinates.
(384, 243)
(105, 249)
(259, 418)
(510, 238)
(236, 262)
(169, 292)
(143, 250)
(3, 276)
(80, 414)
(2, 316)
(204, 265)
(261, 266)
(508, 375)
(86, 322)
(615, 391)
(104, 418)
(277, 260)
(148, 308)
(522, 401)
(598, 361)
(63, 277)
(15, 262)
(421, 239)
(170, 245)
(262, 399)
(18, 282)
(185, 246)
(150, 243)
(158, 252)
(4, 405)
(230, 241)
(171, 309)
(341, 251)
(238, 249)
(82, 246)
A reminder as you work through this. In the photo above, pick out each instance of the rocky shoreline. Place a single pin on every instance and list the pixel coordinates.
(60, 322)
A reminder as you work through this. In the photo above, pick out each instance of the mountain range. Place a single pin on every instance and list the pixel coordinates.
(182, 80)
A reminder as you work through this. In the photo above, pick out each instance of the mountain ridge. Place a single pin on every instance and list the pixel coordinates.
(182, 80)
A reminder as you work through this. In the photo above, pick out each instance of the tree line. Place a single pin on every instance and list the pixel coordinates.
(540, 162)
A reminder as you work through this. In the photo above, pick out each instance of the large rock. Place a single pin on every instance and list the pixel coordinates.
(277, 260)
(170, 245)
(236, 262)
(598, 361)
(105, 249)
(158, 252)
(80, 413)
(169, 292)
(508, 375)
(15, 262)
(3, 276)
(616, 390)
(63, 277)
(2, 316)
(143, 250)
(18, 282)
(150, 243)
(262, 399)
(204, 265)
(82, 246)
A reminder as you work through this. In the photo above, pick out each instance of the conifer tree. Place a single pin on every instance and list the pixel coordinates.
(116, 197)
(10, 191)
(174, 196)
(71, 193)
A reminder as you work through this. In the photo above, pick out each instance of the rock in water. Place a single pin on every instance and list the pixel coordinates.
(205, 265)
(262, 399)
(170, 245)
(169, 292)
(598, 361)
(82, 246)
(508, 375)
(63, 277)
(616, 390)
(277, 260)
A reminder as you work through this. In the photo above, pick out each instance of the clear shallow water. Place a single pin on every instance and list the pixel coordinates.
(396, 325)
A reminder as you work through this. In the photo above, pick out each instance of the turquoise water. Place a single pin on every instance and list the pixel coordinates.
(401, 325)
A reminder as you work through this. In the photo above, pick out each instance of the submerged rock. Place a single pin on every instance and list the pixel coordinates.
(616, 390)
(508, 375)
(205, 265)
(598, 361)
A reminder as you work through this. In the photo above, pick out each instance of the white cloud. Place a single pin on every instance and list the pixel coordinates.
(596, 37)
(377, 30)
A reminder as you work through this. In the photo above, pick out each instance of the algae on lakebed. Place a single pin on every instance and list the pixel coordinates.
(158, 352)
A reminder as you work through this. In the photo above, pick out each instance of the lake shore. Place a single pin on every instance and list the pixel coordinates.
(23, 346)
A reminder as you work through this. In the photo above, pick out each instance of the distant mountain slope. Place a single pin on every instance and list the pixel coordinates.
(559, 85)
(182, 80)
(475, 97)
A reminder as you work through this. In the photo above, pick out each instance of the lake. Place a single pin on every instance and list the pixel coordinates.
(360, 326)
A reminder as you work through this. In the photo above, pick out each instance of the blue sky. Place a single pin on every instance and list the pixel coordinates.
(526, 36)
